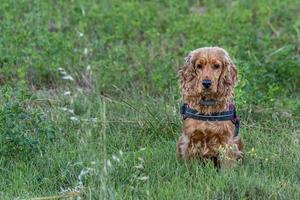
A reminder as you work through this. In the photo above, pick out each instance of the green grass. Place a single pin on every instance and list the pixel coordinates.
(114, 137)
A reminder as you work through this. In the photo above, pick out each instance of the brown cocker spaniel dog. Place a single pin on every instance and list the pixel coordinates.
(207, 81)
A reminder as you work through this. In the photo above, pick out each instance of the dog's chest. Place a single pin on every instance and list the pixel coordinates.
(208, 131)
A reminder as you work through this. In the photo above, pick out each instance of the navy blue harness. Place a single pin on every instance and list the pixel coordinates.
(231, 115)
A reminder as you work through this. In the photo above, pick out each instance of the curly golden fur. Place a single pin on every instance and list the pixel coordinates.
(209, 139)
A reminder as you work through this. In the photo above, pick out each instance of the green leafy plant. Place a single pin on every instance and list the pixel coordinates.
(24, 131)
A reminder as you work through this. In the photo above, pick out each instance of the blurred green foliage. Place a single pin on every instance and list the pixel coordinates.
(24, 131)
(111, 133)
(139, 45)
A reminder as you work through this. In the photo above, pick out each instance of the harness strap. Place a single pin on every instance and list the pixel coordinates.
(231, 115)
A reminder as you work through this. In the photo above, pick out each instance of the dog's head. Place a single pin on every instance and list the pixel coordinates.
(208, 73)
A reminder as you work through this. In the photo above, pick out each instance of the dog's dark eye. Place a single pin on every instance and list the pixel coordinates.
(216, 66)
(199, 66)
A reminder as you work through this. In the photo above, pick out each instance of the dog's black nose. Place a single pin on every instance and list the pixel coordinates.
(206, 83)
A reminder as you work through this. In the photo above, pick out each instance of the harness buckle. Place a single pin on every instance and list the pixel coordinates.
(183, 111)
(235, 120)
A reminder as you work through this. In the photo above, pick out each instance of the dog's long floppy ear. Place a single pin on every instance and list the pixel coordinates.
(188, 59)
(188, 67)
(231, 77)
(187, 74)
(228, 77)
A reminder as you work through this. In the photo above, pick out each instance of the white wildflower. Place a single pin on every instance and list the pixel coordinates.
(143, 178)
(64, 73)
(67, 93)
(108, 163)
(85, 51)
(143, 149)
(121, 153)
(67, 110)
(140, 166)
(64, 109)
(116, 158)
(174, 110)
(83, 172)
(68, 77)
(62, 190)
(80, 34)
(88, 68)
(74, 118)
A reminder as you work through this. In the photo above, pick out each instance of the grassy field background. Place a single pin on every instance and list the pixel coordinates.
(89, 98)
